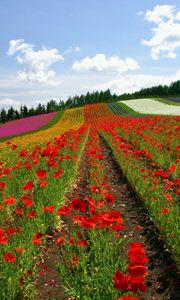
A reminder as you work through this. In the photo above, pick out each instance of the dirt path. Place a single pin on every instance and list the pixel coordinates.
(49, 283)
(163, 280)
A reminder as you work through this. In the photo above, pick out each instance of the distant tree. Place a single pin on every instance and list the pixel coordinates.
(16, 114)
(21, 111)
(39, 109)
(31, 111)
(3, 116)
(61, 105)
(10, 114)
(25, 111)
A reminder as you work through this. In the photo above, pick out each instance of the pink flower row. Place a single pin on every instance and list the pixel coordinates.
(25, 125)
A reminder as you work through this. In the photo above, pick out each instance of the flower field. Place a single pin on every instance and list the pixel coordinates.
(25, 125)
(89, 208)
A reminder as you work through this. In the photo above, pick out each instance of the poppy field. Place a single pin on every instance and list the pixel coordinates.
(89, 208)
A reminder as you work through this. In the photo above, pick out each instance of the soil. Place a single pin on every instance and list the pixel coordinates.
(163, 279)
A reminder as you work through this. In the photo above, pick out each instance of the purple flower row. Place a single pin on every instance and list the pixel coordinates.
(25, 125)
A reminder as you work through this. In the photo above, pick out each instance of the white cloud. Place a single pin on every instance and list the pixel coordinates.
(72, 49)
(132, 83)
(160, 13)
(7, 103)
(166, 35)
(37, 62)
(99, 63)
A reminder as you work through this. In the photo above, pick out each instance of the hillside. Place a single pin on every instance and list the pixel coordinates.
(101, 181)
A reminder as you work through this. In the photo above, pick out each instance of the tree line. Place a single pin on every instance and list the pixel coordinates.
(95, 97)
(24, 112)
(173, 90)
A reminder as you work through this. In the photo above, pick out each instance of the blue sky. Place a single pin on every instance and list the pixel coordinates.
(58, 48)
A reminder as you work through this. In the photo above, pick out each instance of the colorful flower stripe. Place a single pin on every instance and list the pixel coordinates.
(26, 124)
(96, 113)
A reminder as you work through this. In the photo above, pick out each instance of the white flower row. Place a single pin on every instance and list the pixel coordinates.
(150, 106)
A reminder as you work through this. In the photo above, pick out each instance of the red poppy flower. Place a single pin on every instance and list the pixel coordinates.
(36, 241)
(3, 239)
(49, 208)
(168, 182)
(138, 227)
(14, 147)
(31, 214)
(64, 210)
(10, 200)
(137, 270)
(28, 165)
(1, 231)
(178, 192)
(7, 171)
(10, 257)
(38, 235)
(79, 205)
(58, 173)
(165, 210)
(43, 183)
(137, 283)
(28, 203)
(28, 185)
(11, 231)
(120, 281)
(2, 185)
(41, 174)
(172, 168)
(87, 222)
(19, 211)
(82, 243)
(20, 250)
(137, 254)
(23, 153)
(118, 227)
(74, 260)
(72, 241)
(111, 216)
(59, 241)
(110, 198)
